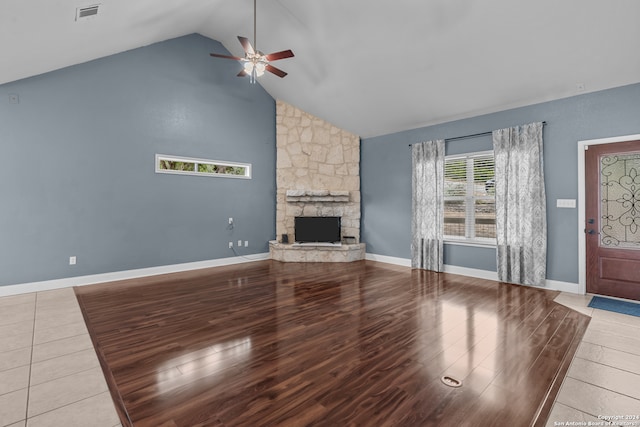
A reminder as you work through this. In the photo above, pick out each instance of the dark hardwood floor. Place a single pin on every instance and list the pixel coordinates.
(358, 344)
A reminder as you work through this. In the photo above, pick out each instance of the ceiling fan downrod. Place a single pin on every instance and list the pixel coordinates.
(255, 32)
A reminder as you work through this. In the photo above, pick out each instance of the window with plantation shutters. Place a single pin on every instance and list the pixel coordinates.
(469, 198)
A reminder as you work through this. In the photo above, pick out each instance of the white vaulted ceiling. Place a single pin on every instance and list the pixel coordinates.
(371, 67)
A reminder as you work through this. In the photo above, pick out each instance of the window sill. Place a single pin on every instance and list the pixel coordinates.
(473, 243)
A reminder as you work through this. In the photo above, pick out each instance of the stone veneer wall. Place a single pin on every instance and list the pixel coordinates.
(315, 156)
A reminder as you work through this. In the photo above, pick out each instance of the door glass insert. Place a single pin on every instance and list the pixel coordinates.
(620, 200)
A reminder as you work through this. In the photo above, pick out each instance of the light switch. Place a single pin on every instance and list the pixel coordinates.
(566, 203)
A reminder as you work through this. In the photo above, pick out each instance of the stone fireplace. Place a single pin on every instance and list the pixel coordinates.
(318, 174)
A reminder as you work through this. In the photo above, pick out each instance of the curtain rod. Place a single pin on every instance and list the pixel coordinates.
(456, 138)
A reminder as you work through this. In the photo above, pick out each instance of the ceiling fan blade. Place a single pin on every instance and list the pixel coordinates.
(279, 55)
(278, 72)
(242, 73)
(217, 55)
(246, 45)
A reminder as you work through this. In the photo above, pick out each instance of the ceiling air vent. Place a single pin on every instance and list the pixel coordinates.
(87, 12)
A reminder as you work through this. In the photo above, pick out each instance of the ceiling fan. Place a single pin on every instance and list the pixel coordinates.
(255, 63)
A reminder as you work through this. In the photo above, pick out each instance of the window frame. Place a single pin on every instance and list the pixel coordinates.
(469, 198)
(197, 161)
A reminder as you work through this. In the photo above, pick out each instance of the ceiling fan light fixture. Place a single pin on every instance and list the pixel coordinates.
(259, 67)
(257, 62)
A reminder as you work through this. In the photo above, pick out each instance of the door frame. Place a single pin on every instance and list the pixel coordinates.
(582, 242)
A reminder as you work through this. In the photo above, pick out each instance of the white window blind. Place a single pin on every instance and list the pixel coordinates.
(469, 198)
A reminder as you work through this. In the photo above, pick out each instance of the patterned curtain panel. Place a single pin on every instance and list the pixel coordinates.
(521, 219)
(428, 205)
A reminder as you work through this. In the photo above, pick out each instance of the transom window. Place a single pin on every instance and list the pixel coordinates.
(469, 198)
(201, 167)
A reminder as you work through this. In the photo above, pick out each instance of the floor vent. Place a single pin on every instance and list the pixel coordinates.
(451, 382)
(87, 12)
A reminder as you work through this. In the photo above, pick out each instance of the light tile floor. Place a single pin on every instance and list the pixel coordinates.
(50, 375)
(604, 377)
(49, 371)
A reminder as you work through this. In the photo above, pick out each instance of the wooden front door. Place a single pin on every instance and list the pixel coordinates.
(613, 219)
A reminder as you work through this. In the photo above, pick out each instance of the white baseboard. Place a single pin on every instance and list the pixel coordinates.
(553, 285)
(404, 262)
(471, 272)
(556, 285)
(48, 285)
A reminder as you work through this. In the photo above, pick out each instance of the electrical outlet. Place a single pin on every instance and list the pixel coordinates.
(230, 221)
(246, 243)
(230, 244)
(72, 260)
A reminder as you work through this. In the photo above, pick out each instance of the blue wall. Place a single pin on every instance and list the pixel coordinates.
(386, 173)
(77, 175)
